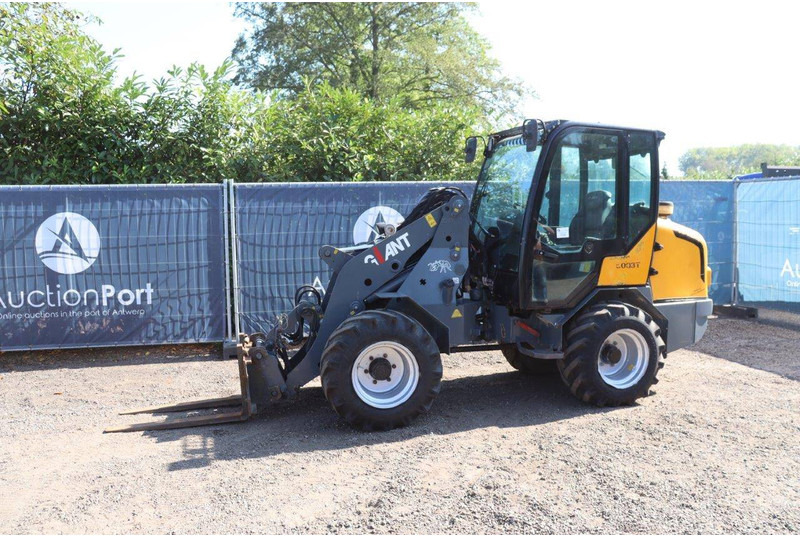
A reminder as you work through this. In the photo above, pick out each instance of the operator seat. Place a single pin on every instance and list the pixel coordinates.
(588, 222)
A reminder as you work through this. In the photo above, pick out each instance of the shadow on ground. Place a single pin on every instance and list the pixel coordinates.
(308, 424)
(763, 344)
(107, 357)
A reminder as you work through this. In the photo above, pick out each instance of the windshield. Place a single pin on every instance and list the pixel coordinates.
(499, 203)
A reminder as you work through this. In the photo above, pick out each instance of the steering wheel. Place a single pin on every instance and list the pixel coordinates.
(640, 209)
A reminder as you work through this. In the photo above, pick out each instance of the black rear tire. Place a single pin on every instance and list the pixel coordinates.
(354, 336)
(587, 340)
(527, 364)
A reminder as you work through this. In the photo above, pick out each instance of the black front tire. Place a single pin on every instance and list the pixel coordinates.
(358, 333)
(527, 364)
(586, 337)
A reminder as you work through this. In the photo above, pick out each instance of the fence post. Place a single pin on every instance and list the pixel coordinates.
(234, 257)
(227, 245)
(735, 238)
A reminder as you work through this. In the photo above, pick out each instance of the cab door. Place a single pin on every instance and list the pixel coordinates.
(581, 214)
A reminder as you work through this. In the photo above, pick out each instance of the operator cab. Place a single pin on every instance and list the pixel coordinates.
(550, 205)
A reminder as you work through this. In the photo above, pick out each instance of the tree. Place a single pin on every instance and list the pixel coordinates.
(416, 53)
(55, 81)
(335, 134)
(65, 120)
(727, 162)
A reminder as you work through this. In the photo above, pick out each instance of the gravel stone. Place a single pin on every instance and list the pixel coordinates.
(716, 450)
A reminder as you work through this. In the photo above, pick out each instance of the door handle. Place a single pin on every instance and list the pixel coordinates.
(545, 255)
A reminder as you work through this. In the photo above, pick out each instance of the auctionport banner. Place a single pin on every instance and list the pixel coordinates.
(768, 243)
(110, 265)
(98, 266)
(280, 228)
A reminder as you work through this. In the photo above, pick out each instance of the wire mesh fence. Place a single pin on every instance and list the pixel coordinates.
(165, 251)
(280, 228)
(94, 266)
(768, 243)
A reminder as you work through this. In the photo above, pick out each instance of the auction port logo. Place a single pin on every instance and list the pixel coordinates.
(793, 271)
(67, 243)
(366, 226)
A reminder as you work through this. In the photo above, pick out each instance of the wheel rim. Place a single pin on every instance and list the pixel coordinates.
(623, 358)
(385, 375)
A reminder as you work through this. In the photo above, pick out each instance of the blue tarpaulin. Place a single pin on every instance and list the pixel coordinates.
(280, 228)
(163, 248)
(768, 243)
(103, 266)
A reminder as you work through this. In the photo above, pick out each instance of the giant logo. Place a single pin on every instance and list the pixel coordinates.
(394, 247)
(67, 243)
(366, 227)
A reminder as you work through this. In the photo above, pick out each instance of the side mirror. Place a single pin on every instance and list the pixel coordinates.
(470, 149)
(530, 134)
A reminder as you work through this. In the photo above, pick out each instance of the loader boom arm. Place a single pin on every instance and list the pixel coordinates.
(422, 264)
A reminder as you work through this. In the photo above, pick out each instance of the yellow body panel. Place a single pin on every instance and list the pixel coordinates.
(630, 269)
(679, 263)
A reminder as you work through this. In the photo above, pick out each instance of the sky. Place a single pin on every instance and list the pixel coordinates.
(706, 73)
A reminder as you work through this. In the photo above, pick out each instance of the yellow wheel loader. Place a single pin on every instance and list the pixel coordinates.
(560, 259)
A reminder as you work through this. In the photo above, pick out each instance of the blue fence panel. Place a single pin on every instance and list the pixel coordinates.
(707, 207)
(280, 228)
(93, 266)
(111, 265)
(768, 243)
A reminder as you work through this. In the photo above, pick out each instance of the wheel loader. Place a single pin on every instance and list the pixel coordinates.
(563, 259)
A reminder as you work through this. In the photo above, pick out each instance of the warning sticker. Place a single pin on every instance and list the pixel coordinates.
(430, 219)
(456, 314)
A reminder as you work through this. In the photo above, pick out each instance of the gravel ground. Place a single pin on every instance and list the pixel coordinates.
(717, 449)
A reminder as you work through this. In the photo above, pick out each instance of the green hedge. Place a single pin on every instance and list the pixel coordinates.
(65, 119)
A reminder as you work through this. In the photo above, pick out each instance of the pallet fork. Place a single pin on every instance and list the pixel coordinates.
(245, 351)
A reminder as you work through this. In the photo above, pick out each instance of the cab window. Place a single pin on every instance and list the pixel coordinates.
(500, 200)
(580, 192)
(642, 148)
(579, 204)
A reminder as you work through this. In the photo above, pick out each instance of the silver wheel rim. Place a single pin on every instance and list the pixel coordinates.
(368, 375)
(623, 358)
